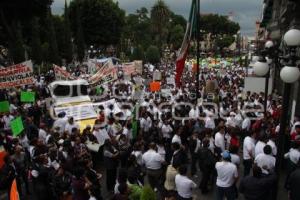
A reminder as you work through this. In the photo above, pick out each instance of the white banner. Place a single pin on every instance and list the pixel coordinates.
(78, 112)
(17, 75)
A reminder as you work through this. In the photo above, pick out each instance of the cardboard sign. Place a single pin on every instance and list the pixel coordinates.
(17, 75)
(16, 126)
(27, 96)
(4, 106)
(154, 86)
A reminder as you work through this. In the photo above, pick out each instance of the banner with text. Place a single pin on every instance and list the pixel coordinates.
(61, 74)
(106, 74)
(17, 75)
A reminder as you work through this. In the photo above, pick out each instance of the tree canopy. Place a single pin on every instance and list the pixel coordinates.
(102, 21)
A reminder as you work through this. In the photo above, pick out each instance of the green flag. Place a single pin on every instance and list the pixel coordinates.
(98, 91)
(27, 96)
(4, 106)
(16, 126)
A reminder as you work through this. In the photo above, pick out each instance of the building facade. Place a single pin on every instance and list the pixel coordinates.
(277, 18)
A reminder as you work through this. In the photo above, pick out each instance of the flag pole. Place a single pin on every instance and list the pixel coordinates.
(198, 47)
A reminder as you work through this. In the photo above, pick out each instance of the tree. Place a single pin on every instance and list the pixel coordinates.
(51, 36)
(176, 35)
(153, 55)
(35, 44)
(16, 47)
(221, 29)
(160, 16)
(79, 36)
(102, 21)
(13, 12)
(138, 53)
(68, 47)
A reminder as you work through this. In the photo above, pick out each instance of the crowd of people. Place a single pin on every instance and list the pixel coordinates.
(178, 148)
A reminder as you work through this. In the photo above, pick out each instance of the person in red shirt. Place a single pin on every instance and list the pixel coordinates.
(234, 141)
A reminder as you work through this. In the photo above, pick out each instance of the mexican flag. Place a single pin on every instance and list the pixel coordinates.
(190, 28)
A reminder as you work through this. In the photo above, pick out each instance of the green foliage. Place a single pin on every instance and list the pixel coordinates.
(67, 52)
(101, 20)
(138, 53)
(153, 55)
(51, 36)
(16, 47)
(225, 41)
(176, 35)
(148, 193)
(35, 44)
(160, 16)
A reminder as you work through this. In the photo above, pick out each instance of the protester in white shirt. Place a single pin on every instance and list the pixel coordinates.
(176, 138)
(6, 119)
(227, 175)
(259, 147)
(271, 142)
(265, 160)
(61, 122)
(70, 125)
(248, 152)
(166, 130)
(100, 133)
(294, 153)
(220, 139)
(153, 162)
(209, 122)
(184, 185)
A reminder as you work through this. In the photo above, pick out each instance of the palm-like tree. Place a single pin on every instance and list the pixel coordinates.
(160, 15)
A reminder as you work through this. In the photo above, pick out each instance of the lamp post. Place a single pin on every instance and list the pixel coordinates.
(198, 47)
(261, 68)
(289, 74)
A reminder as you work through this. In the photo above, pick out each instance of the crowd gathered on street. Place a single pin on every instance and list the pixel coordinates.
(212, 139)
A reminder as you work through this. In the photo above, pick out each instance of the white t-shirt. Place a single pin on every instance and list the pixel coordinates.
(235, 159)
(293, 155)
(69, 127)
(152, 159)
(166, 131)
(42, 135)
(184, 186)
(259, 148)
(265, 161)
(248, 148)
(61, 123)
(101, 135)
(220, 141)
(273, 146)
(177, 139)
(227, 173)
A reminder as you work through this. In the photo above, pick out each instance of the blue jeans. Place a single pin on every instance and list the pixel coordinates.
(228, 192)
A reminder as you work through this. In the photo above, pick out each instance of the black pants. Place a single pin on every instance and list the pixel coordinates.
(206, 176)
(154, 177)
(182, 198)
(247, 166)
(194, 163)
(111, 175)
(228, 192)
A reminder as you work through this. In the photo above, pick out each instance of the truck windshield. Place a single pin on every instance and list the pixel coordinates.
(70, 90)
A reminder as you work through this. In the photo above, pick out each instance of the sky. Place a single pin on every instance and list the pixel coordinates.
(245, 12)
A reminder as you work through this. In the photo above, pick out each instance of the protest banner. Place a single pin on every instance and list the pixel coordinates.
(129, 68)
(27, 96)
(61, 74)
(4, 106)
(154, 86)
(16, 126)
(17, 75)
(78, 112)
(106, 74)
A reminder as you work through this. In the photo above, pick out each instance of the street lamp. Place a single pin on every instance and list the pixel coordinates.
(289, 74)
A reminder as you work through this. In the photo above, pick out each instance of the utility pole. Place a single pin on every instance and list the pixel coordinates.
(198, 46)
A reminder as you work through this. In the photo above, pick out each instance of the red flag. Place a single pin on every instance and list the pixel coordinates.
(180, 61)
